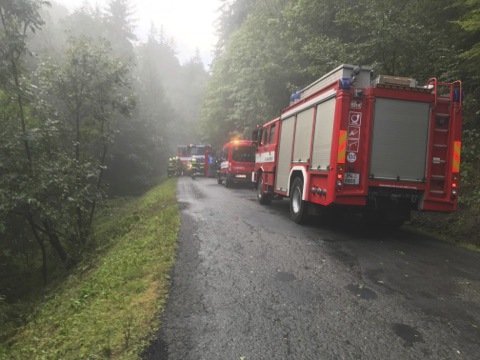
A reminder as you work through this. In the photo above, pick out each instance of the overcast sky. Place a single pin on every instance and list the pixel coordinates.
(190, 22)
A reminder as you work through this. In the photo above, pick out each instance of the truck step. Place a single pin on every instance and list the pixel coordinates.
(442, 115)
(438, 177)
(440, 145)
(443, 99)
(442, 130)
(437, 192)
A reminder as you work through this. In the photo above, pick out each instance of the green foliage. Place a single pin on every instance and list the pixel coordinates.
(56, 126)
(80, 100)
(249, 80)
(142, 140)
(120, 28)
(470, 22)
(17, 19)
(471, 169)
(109, 305)
(79, 120)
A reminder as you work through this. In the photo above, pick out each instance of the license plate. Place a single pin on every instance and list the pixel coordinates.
(241, 176)
(352, 178)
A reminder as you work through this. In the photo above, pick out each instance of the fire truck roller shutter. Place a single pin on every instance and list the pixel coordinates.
(400, 135)
(322, 142)
(284, 154)
(303, 136)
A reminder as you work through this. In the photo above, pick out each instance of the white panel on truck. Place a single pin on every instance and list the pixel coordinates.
(322, 142)
(303, 136)
(400, 135)
(285, 154)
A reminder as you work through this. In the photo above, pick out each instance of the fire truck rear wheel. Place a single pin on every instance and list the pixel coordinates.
(263, 198)
(298, 207)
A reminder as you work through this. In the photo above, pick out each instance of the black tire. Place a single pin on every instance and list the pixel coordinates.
(298, 207)
(263, 198)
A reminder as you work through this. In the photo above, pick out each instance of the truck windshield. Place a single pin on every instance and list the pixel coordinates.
(182, 151)
(198, 150)
(243, 154)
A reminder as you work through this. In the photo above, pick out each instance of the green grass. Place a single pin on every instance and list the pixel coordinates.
(460, 227)
(109, 306)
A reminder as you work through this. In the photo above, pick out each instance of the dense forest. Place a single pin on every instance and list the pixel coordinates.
(87, 111)
(268, 49)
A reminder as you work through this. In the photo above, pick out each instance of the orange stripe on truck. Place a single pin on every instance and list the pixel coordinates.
(457, 148)
(342, 147)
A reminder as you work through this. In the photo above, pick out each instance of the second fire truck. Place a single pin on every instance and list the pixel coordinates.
(237, 162)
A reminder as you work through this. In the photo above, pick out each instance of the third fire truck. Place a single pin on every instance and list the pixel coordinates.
(384, 147)
(201, 154)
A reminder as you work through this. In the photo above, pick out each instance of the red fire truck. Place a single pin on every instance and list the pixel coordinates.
(237, 162)
(202, 155)
(184, 157)
(384, 147)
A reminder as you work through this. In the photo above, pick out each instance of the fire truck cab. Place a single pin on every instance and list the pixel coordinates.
(201, 154)
(237, 161)
(384, 147)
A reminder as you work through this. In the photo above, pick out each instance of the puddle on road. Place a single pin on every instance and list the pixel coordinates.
(158, 349)
(285, 276)
(362, 292)
(344, 257)
(408, 334)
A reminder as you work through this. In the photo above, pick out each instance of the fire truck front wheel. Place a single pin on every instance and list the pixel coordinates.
(263, 197)
(298, 207)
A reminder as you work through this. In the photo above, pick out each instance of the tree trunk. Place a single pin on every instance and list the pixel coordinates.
(22, 115)
(100, 175)
(41, 244)
(57, 245)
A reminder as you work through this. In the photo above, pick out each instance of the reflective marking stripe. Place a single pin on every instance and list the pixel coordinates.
(267, 156)
(457, 147)
(342, 147)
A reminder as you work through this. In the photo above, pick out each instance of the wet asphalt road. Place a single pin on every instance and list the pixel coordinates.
(251, 284)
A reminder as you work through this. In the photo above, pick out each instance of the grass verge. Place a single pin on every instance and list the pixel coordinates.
(461, 227)
(109, 306)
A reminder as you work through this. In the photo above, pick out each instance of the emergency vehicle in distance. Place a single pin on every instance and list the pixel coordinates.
(384, 147)
(237, 161)
(202, 155)
(183, 155)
